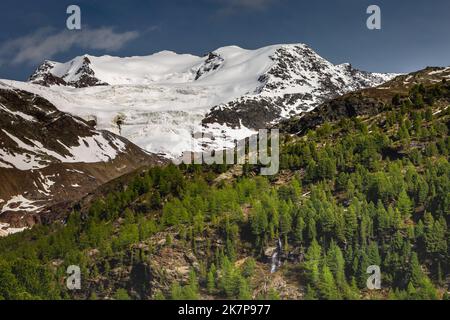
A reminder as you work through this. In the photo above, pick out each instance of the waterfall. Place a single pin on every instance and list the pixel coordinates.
(276, 261)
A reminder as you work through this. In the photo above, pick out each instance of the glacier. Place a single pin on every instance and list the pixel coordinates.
(159, 101)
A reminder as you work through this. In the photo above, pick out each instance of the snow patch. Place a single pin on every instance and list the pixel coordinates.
(20, 203)
(90, 149)
(6, 230)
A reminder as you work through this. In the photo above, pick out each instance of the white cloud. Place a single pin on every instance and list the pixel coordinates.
(45, 43)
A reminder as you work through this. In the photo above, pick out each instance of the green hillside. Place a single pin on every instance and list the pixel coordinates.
(372, 189)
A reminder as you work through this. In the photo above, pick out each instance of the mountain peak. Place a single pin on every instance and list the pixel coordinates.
(162, 98)
(76, 73)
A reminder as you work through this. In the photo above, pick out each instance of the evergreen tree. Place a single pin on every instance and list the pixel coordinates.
(416, 274)
(327, 286)
(310, 293)
(312, 262)
(336, 263)
(244, 290)
(404, 205)
(211, 282)
(121, 294)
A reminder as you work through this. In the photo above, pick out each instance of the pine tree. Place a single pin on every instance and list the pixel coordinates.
(244, 290)
(299, 228)
(273, 294)
(336, 263)
(350, 191)
(327, 286)
(311, 229)
(312, 261)
(354, 290)
(176, 292)
(9, 286)
(229, 281)
(210, 282)
(427, 291)
(373, 254)
(259, 223)
(248, 267)
(190, 292)
(404, 205)
(351, 223)
(285, 222)
(435, 236)
(362, 269)
(310, 293)
(121, 294)
(159, 296)
(411, 290)
(416, 274)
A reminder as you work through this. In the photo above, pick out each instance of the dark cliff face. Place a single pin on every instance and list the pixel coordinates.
(251, 113)
(86, 76)
(366, 102)
(349, 106)
(213, 62)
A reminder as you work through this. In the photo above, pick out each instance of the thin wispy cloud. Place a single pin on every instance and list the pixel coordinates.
(45, 43)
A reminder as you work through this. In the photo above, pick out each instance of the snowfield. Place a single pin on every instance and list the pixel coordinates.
(158, 118)
(159, 101)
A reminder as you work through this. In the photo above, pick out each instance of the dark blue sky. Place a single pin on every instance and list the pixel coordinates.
(414, 34)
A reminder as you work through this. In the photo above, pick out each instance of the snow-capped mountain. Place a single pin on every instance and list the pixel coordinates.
(76, 73)
(159, 101)
(48, 156)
